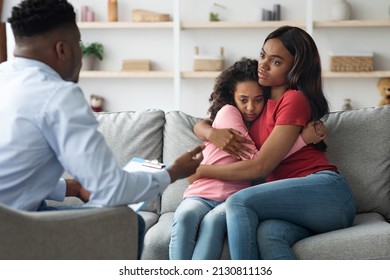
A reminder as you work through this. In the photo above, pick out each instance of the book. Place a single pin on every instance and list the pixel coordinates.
(140, 164)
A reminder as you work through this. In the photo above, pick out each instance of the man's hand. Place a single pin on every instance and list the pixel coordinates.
(186, 164)
(74, 188)
(231, 141)
(314, 132)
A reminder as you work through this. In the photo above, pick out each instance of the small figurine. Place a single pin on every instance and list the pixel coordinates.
(347, 104)
(97, 103)
(384, 90)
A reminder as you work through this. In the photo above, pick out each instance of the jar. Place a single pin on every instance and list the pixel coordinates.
(341, 10)
(112, 10)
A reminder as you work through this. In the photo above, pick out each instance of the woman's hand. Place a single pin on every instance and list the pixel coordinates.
(228, 140)
(231, 141)
(314, 132)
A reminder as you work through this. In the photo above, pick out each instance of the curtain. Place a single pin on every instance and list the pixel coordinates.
(3, 40)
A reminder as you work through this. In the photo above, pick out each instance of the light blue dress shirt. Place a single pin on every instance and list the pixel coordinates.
(46, 127)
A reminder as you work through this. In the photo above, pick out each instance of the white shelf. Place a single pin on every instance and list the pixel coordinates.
(245, 25)
(352, 23)
(370, 74)
(125, 25)
(213, 74)
(200, 74)
(180, 26)
(126, 74)
(231, 25)
(225, 25)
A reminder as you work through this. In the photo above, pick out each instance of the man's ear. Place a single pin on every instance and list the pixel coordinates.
(60, 50)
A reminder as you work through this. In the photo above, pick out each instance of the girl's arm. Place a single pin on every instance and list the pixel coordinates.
(233, 142)
(312, 133)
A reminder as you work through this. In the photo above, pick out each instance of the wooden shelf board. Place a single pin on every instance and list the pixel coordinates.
(326, 74)
(352, 23)
(200, 74)
(230, 24)
(126, 74)
(371, 74)
(125, 24)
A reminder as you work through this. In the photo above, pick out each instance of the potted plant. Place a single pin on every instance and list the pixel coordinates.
(91, 52)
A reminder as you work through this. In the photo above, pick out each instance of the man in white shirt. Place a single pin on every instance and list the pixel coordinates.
(47, 126)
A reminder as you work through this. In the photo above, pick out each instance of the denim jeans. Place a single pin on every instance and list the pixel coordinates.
(264, 221)
(141, 222)
(198, 230)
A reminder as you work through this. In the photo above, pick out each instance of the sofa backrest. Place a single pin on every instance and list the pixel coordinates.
(359, 144)
(178, 138)
(134, 134)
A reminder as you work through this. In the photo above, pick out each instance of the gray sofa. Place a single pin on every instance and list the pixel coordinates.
(358, 141)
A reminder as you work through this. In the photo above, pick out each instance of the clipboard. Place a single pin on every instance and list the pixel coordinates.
(140, 164)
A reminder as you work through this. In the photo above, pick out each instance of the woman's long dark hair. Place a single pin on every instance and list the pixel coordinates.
(306, 73)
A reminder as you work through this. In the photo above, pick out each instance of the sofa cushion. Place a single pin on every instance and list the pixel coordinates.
(134, 134)
(359, 144)
(367, 239)
(178, 138)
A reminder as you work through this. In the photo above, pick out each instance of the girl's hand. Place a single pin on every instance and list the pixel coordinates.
(314, 132)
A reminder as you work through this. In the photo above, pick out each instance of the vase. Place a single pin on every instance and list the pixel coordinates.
(341, 10)
(112, 10)
(88, 62)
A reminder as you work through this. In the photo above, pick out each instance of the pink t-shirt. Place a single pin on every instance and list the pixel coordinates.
(227, 117)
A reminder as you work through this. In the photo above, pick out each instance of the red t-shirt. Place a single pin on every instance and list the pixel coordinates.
(291, 109)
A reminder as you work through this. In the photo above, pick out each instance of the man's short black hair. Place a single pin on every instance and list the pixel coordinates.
(34, 17)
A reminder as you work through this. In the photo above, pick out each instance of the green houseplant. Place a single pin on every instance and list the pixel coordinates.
(91, 51)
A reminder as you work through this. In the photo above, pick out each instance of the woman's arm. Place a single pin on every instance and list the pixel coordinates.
(274, 149)
(226, 139)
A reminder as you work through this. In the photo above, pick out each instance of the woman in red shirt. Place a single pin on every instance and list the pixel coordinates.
(303, 194)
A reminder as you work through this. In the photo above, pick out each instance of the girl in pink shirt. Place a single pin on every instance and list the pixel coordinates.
(199, 224)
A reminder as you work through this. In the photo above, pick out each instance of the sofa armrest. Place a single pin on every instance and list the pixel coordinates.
(99, 233)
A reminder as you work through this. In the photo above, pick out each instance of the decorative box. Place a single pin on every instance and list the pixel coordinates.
(208, 62)
(148, 16)
(136, 65)
(351, 62)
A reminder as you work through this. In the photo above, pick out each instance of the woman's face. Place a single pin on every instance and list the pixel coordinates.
(249, 100)
(275, 63)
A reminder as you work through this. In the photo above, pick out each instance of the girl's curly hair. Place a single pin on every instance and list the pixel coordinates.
(225, 84)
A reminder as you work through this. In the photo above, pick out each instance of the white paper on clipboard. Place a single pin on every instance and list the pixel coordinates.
(140, 164)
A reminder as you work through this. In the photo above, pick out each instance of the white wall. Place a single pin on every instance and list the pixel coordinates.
(157, 45)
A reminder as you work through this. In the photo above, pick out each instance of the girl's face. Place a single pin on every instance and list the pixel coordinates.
(249, 100)
(275, 63)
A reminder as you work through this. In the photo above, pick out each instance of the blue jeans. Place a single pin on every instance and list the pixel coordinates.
(198, 230)
(141, 222)
(264, 221)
